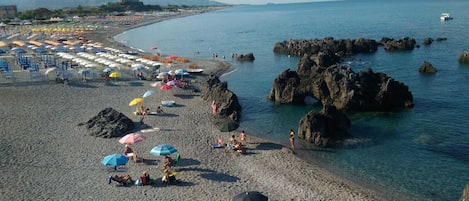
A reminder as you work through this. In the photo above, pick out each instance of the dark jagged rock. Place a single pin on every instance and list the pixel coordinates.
(464, 57)
(428, 41)
(246, 57)
(324, 129)
(212, 89)
(427, 67)
(341, 87)
(441, 39)
(307, 62)
(109, 123)
(329, 45)
(405, 43)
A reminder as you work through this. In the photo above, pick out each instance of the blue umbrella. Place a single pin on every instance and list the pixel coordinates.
(115, 160)
(84, 71)
(108, 70)
(163, 150)
(148, 93)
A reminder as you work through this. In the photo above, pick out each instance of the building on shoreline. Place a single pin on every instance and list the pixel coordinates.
(8, 12)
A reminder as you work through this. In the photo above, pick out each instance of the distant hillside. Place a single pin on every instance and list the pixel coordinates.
(57, 4)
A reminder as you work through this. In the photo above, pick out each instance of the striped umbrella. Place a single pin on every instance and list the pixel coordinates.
(163, 150)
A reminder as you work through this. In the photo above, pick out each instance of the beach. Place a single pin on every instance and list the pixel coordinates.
(48, 156)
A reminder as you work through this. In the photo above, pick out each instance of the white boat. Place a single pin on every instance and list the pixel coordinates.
(195, 70)
(445, 16)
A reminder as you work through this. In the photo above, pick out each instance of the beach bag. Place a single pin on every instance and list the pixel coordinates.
(138, 182)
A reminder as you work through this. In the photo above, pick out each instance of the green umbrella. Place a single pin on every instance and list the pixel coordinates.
(229, 126)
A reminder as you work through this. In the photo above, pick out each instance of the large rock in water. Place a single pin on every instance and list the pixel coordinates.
(427, 67)
(109, 123)
(464, 57)
(212, 89)
(344, 89)
(324, 129)
(246, 57)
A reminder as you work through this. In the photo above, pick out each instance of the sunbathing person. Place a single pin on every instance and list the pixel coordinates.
(128, 152)
(122, 179)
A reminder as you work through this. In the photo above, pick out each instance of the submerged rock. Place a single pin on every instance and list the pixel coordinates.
(109, 123)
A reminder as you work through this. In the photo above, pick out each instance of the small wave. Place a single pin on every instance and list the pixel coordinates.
(229, 72)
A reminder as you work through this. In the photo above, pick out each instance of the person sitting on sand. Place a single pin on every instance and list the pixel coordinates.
(159, 110)
(168, 161)
(242, 137)
(145, 178)
(128, 152)
(168, 177)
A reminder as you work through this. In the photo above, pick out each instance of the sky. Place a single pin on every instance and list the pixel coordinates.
(263, 1)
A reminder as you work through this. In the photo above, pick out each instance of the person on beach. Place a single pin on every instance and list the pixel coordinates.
(242, 137)
(168, 161)
(129, 152)
(159, 110)
(214, 108)
(145, 178)
(292, 139)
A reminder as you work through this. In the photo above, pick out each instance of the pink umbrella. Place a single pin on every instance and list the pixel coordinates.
(132, 138)
(172, 83)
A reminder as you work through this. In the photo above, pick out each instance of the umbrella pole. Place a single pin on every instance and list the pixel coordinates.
(115, 168)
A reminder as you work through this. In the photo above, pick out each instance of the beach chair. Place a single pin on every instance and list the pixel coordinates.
(176, 160)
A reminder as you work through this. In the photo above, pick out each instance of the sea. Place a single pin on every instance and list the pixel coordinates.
(420, 153)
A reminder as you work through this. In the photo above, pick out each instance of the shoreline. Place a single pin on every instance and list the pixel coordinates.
(204, 171)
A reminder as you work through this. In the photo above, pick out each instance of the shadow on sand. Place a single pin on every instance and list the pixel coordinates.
(268, 146)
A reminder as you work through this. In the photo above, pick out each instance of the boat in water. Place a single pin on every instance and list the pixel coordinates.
(445, 17)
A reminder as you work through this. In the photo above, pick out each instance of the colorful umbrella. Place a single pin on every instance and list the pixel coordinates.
(165, 87)
(115, 75)
(163, 150)
(132, 138)
(250, 195)
(172, 83)
(108, 70)
(135, 101)
(148, 93)
(50, 70)
(115, 160)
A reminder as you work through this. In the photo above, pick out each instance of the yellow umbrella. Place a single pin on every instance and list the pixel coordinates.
(135, 101)
(115, 75)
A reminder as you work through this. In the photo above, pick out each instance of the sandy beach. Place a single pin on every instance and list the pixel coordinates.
(47, 156)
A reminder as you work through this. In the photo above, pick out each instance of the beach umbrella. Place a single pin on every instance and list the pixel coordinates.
(114, 160)
(229, 126)
(250, 196)
(148, 93)
(163, 74)
(108, 70)
(165, 87)
(172, 83)
(135, 101)
(115, 75)
(50, 70)
(132, 138)
(84, 72)
(163, 150)
(137, 67)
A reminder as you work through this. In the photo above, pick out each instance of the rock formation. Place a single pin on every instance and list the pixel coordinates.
(245, 57)
(465, 194)
(339, 86)
(334, 47)
(109, 123)
(427, 41)
(212, 89)
(391, 44)
(326, 128)
(427, 67)
(464, 57)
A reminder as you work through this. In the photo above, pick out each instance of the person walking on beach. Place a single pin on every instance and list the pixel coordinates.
(214, 108)
(292, 139)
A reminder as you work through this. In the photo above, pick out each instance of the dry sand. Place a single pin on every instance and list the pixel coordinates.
(47, 156)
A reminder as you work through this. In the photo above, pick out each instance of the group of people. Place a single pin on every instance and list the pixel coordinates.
(238, 145)
(127, 180)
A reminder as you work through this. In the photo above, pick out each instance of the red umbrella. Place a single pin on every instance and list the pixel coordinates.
(165, 87)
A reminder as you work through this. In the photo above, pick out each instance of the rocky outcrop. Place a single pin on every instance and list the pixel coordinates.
(465, 194)
(427, 41)
(342, 88)
(109, 123)
(334, 47)
(245, 57)
(323, 58)
(326, 128)
(391, 44)
(212, 89)
(464, 57)
(427, 67)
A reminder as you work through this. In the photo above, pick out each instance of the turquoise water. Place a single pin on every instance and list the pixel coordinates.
(419, 152)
